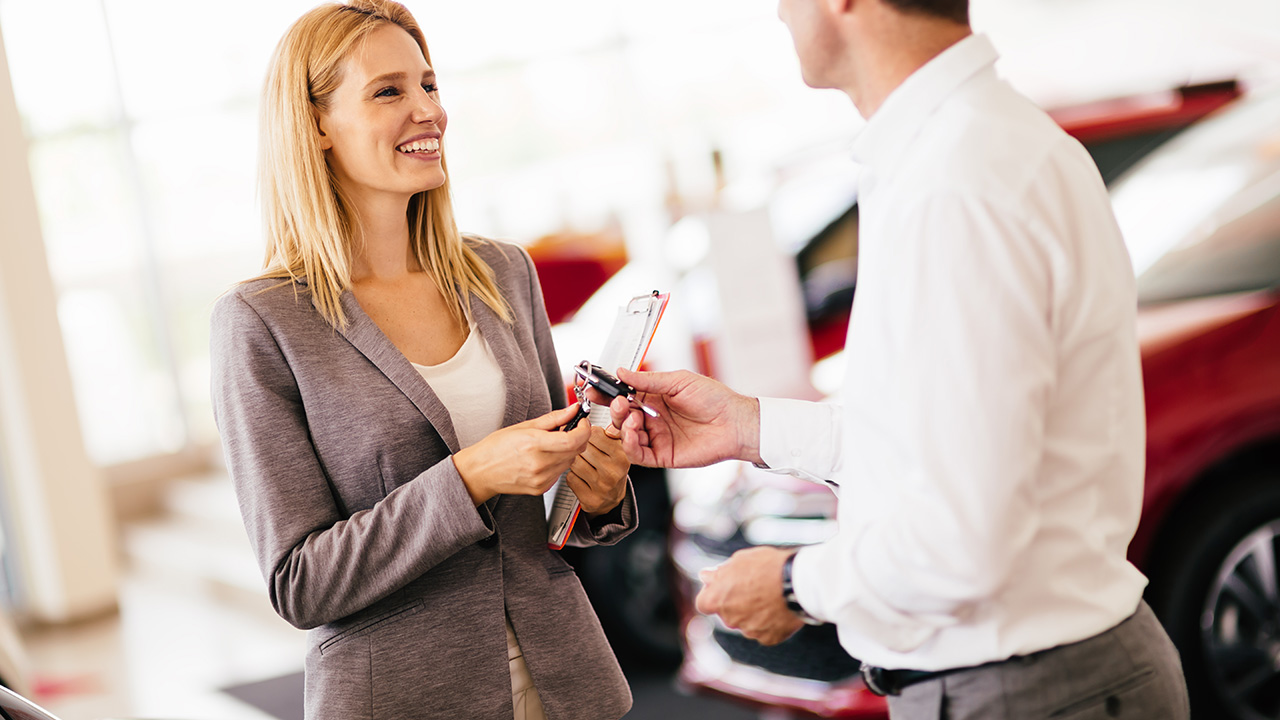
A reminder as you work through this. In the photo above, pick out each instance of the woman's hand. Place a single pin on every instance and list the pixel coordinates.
(522, 459)
(599, 475)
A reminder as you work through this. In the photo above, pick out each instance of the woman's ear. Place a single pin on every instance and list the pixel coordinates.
(325, 142)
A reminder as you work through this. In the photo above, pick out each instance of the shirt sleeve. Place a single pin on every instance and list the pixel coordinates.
(800, 438)
(970, 346)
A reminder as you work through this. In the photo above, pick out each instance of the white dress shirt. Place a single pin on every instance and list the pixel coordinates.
(989, 443)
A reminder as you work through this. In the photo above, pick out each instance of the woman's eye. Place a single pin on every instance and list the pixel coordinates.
(431, 87)
(387, 92)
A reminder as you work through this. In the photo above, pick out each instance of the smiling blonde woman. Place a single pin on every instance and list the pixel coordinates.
(389, 397)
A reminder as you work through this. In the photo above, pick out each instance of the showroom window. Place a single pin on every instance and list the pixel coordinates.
(141, 117)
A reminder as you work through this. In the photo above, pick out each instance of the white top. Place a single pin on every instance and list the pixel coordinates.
(471, 387)
(989, 443)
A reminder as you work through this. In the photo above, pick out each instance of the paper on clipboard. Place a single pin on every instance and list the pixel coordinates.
(625, 347)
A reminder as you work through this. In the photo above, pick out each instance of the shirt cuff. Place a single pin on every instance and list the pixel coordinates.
(800, 438)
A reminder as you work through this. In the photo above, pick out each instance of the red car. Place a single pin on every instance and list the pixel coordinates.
(1201, 216)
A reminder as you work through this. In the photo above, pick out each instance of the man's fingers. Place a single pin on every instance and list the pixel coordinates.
(639, 380)
(619, 410)
(635, 443)
(659, 383)
(706, 603)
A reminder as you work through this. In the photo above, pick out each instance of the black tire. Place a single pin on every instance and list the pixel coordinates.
(1215, 588)
(631, 584)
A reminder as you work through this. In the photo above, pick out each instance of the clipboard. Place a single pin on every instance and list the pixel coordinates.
(626, 346)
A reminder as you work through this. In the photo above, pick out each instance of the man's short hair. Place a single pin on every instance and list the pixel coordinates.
(954, 10)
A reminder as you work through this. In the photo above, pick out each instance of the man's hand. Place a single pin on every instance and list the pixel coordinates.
(746, 592)
(700, 421)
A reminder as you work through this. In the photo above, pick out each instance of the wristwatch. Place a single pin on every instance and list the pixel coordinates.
(789, 593)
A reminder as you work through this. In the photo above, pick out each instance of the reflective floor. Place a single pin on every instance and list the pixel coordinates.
(194, 619)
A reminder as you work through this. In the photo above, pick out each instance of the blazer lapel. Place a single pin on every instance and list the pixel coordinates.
(515, 371)
(368, 338)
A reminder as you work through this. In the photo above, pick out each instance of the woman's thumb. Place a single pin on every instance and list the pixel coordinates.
(555, 418)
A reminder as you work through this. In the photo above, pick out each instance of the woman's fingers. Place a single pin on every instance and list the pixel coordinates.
(580, 488)
(585, 468)
(552, 420)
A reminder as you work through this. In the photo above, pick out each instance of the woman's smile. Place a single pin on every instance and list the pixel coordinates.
(387, 98)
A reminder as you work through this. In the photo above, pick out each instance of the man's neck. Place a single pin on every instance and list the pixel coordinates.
(892, 47)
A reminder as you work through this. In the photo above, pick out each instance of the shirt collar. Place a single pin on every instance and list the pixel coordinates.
(892, 127)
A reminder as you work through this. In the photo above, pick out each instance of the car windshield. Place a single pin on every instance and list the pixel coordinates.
(1201, 216)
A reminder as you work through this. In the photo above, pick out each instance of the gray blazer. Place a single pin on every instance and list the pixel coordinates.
(340, 454)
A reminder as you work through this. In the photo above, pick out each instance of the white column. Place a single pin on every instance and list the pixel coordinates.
(56, 498)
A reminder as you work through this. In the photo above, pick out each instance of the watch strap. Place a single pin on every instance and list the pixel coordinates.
(789, 593)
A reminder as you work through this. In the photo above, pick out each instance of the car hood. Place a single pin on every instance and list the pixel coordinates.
(1167, 325)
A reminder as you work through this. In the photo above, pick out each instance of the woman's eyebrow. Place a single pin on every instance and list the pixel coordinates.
(385, 78)
(392, 77)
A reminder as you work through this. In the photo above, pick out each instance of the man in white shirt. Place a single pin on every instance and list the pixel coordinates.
(989, 446)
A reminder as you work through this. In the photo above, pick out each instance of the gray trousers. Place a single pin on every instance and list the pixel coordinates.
(1130, 671)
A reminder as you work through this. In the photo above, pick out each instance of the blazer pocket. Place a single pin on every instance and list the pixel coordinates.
(370, 624)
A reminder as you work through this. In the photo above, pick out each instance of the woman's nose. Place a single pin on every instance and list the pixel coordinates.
(428, 108)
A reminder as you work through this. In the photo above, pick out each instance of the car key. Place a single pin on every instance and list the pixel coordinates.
(584, 409)
(606, 383)
(584, 406)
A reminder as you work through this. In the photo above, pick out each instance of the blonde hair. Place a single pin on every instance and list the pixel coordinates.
(309, 223)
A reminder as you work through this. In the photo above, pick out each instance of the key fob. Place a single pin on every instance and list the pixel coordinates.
(583, 411)
(603, 381)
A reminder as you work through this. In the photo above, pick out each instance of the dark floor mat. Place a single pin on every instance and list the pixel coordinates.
(279, 697)
(656, 698)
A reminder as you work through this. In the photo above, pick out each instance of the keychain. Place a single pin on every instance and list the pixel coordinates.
(604, 382)
(584, 406)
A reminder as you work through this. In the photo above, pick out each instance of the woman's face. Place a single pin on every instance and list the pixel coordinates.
(382, 131)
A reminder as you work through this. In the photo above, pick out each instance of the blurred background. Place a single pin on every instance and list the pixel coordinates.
(628, 139)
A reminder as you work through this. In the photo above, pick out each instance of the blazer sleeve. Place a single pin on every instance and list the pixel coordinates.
(611, 527)
(319, 565)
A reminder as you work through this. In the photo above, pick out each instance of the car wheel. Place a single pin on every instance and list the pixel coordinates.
(1219, 599)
